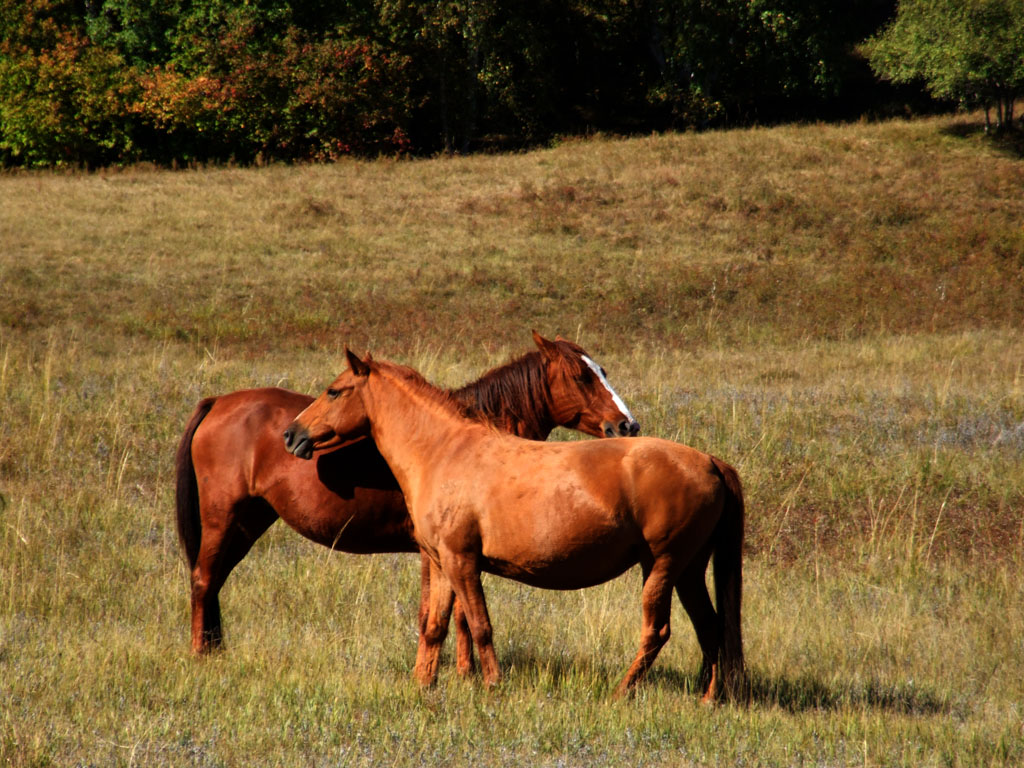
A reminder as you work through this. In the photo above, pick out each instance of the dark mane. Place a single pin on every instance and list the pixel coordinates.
(514, 396)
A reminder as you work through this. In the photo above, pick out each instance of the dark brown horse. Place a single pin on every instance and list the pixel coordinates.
(235, 478)
(556, 515)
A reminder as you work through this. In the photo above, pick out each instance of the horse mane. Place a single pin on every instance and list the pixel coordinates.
(414, 381)
(514, 395)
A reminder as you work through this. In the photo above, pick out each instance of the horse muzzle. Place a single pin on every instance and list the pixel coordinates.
(298, 442)
(624, 428)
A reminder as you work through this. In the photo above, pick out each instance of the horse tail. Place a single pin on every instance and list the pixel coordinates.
(190, 527)
(728, 562)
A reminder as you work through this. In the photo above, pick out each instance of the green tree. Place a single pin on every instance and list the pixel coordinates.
(62, 100)
(971, 51)
(89, 82)
(742, 60)
(93, 81)
(481, 67)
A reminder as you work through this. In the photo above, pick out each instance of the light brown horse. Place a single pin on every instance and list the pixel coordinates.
(235, 478)
(554, 515)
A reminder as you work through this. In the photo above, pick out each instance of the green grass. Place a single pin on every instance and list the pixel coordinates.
(834, 310)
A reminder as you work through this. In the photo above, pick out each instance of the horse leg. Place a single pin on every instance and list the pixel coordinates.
(226, 538)
(464, 575)
(656, 601)
(693, 593)
(463, 638)
(464, 662)
(436, 597)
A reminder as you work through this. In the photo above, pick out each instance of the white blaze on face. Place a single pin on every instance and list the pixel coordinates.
(604, 380)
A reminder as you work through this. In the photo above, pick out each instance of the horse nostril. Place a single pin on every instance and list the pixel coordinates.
(608, 431)
(289, 435)
(623, 428)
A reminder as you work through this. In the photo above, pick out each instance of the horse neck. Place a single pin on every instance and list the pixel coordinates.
(411, 424)
(514, 397)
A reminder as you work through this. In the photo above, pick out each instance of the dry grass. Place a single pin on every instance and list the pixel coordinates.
(789, 233)
(835, 310)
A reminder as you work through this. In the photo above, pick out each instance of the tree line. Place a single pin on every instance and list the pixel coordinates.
(95, 82)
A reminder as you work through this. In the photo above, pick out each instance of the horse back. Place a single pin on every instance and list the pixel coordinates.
(240, 429)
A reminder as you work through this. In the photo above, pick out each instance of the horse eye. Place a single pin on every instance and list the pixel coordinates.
(332, 394)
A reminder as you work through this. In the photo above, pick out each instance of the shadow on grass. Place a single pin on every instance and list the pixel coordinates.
(1009, 142)
(802, 694)
(794, 694)
(799, 694)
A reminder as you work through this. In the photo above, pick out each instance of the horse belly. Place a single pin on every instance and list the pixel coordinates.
(346, 499)
(572, 560)
(569, 533)
(561, 576)
(370, 521)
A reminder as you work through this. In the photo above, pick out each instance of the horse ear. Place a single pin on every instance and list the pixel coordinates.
(359, 367)
(544, 345)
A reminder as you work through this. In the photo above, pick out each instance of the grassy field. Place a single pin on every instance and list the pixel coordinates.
(836, 311)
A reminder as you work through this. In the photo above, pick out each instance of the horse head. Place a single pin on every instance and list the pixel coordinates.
(581, 396)
(335, 417)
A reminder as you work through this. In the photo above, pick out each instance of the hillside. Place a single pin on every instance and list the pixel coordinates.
(811, 232)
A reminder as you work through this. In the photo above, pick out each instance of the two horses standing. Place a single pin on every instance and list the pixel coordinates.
(403, 466)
